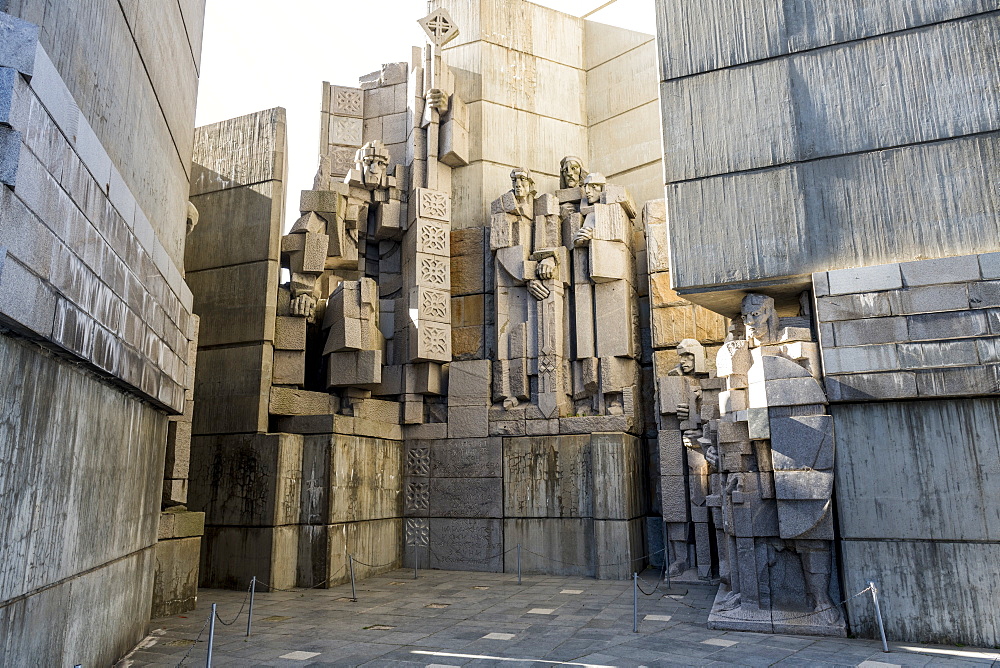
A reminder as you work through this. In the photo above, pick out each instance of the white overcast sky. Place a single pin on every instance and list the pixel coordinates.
(259, 54)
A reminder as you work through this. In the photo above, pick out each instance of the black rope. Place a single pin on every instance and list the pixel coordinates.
(196, 640)
(245, 598)
(808, 614)
(299, 589)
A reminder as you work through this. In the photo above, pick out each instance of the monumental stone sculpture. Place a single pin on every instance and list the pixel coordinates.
(369, 259)
(775, 460)
(688, 421)
(532, 269)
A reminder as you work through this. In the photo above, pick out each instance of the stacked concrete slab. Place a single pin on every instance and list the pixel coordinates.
(96, 316)
(845, 151)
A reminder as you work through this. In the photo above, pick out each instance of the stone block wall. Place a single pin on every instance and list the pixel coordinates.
(846, 148)
(923, 329)
(541, 85)
(856, 121)
(232, 267)
(95, 314)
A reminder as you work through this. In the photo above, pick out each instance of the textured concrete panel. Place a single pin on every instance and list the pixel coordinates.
(790, 221)
(236, 225)
(78, 614)
(547, 476)
(236, 303)
(259, 155)
(246, 479)
(96, 447)
(232, 389)
(705, 35)
(899, 89)
(175, 587)
(918, 470)
(939, 592)
(467, 544)
(265, 552)
(556, 546)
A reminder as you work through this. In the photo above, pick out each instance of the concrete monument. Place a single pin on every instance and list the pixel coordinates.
(775, 484)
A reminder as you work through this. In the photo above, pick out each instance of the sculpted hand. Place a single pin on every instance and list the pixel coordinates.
(712, 457)
(304, 306)
(583, 236)
(683, 412)
(546, 268)
(437, 99)
(537, 289)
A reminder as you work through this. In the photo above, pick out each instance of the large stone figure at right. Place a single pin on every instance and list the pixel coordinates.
(774, 480)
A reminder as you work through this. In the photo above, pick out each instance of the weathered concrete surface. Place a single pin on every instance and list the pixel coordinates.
(690, 30)
(131, 74)
(917, 497)
(68, 468)
(323, 550)
(238, 187)
(249, 487)
(175, 587)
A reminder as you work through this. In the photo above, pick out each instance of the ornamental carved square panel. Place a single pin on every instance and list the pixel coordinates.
(433, 204)
(346, 101)
(433, 238)
(418, 461)
(417, 496)
(435, 305)
(344, 130)
(434, 272)
(417, 532)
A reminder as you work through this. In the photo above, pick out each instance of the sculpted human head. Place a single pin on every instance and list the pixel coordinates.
(692, 356)
(372, 160)
(593, 187)
(521, 182)
(760, 318)
(571, 172)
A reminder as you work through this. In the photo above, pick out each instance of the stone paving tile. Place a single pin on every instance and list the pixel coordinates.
(593, 627)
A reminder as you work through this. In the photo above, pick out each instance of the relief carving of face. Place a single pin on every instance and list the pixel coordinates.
(593, 187)
(375, 168)
(521, 183)
(373, 161)
(759, 318)
(690, 352)
(687, 364)
(571, 172)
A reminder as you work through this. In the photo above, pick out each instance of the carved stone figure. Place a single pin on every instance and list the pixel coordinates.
(531, 275)
(571, 172)
(598, 219)
(369, 259)
(774, 460)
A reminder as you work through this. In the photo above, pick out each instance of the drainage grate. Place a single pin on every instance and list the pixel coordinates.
(378, 627)
(275, 618)
(480, 587)
(437, 605)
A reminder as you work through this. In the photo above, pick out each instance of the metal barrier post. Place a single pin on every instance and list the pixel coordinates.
(211, 638)
(253, 590)
(416, 558)
(518, 563)
(878, 616)
(354, 593)
(635, 602)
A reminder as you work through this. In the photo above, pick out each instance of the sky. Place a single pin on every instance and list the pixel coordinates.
(258, 54)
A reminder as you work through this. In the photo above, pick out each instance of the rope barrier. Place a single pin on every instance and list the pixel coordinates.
(242, 606)
(808, 614)
(196, 640)
(598, 565)
(299, 589)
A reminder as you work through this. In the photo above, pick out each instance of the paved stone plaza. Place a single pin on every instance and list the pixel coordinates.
(448, 618)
